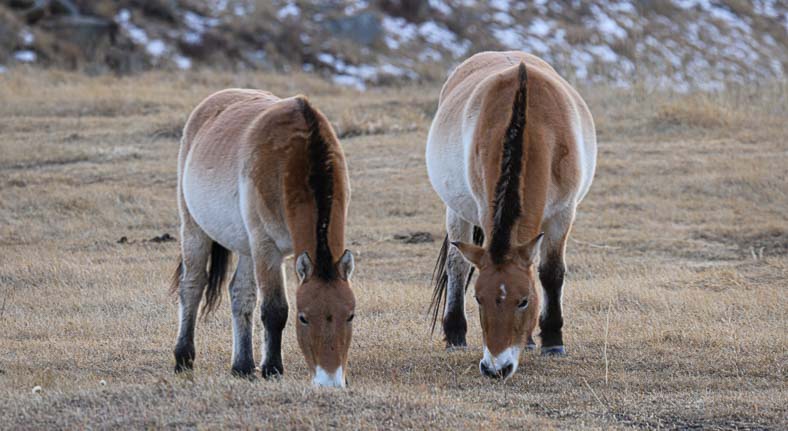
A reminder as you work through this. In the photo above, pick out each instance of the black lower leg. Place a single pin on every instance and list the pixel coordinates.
(184, 353)
(274, 317)
(243, 363)
(551, 274)
(455, 326)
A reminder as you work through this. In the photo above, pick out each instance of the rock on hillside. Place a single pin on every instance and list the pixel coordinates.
(681, 44)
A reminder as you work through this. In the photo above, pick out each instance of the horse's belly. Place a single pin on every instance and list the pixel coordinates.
(446, 168)
(214, 203)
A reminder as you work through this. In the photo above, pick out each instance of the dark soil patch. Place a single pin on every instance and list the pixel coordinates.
(414, 237)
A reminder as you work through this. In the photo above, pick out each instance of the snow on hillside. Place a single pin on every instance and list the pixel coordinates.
(681, 44)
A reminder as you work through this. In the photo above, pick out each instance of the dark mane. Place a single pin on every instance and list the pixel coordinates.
(321, 181)
(506, 202)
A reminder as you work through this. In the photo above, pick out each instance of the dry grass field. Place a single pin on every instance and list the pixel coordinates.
(675, 302)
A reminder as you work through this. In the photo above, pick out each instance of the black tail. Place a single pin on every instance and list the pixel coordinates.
(440, 279)
(217, 272)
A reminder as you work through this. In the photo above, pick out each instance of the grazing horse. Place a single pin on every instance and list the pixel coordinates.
(264, 178)
(511, 151)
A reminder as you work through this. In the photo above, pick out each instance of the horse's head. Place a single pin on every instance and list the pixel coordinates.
(506, 292)
(326, 309)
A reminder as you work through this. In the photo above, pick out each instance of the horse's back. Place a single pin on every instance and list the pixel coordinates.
(478, 95)
(215, 149)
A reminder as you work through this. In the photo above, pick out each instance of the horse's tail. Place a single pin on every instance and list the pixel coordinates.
(440, 278)
(175, 281)
(217, 273)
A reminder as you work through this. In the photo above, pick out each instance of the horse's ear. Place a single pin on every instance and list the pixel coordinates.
(528, 254)
(346, 265)
(304, 267)
(471, 253)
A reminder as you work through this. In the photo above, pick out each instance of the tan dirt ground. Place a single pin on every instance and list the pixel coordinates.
(675, 301)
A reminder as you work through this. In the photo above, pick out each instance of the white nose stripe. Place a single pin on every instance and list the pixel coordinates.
(334, 380)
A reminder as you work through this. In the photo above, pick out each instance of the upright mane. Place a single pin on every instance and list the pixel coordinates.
(321, 181)
(506, 202)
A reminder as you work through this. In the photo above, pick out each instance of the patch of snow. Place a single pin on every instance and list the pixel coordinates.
(363, 71)
(308, 67)
(540, 27)
(192, 37)
(430, 54)
(503, 5)
(27, 37)
(25, 56)
(777, 67)
(622, 7)
(350, 81)
(218, 6)
(509, 37)
(356, 6)
(440, 6)
(437, 34)
(199, 23)
(730, 18)
(182, 62)
(766, 8)
(503, 18)
(3, 69)
(607, 25)
(290, 9)
(689, 4)
(136, 34)
(398, 31)
(156, 48)
(240, 9)
(390, 69)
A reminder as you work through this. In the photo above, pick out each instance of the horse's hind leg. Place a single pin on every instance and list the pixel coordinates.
(551, 273)
(455, 325)
(195, 251)
(273, 307)
(244, 298)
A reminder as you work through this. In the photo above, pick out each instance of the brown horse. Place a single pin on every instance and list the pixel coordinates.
(511, 151)
(265, 177)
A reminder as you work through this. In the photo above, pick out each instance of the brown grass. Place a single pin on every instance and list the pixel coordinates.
(675, 300)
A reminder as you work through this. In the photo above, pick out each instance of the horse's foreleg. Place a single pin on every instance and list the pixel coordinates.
(273, 309)
(551, 273)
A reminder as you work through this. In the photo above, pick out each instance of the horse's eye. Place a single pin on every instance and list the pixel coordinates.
(523, 303)
(350, 319)
(302, 319)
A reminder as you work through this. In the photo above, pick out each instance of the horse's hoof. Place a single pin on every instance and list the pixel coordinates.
(272, 371)
(183, 368)
(245, 371)
(456, 343)
(455, 340)
(530, 347)
(554, 351)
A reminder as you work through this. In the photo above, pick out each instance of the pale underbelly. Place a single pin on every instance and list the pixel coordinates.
(215, 205)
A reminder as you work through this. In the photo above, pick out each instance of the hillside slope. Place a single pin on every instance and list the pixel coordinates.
(681, 44)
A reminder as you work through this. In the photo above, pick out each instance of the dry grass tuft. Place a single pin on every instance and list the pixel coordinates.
(694, 112)
(675, 300)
